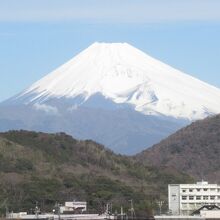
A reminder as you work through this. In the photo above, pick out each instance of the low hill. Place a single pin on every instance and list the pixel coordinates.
(194, 150)
(56, 167)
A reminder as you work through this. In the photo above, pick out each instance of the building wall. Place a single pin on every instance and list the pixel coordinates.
(193, 196)
(174, 199)
(178, 218)
(210, 214)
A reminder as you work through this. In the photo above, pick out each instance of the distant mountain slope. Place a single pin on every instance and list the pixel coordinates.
(194, 149)
(55, 167)
(123, 130)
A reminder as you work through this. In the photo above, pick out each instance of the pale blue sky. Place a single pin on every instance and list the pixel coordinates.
(37, 36)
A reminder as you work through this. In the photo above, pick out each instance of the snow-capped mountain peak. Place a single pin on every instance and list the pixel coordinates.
(126, 75)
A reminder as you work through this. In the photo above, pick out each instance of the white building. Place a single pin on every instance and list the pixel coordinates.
(73, 207)
(183, 199)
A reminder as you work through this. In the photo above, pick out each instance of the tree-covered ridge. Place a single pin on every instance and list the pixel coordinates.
(194, 149)
(56, 167)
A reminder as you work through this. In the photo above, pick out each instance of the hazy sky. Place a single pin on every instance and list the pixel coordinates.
(37, 36)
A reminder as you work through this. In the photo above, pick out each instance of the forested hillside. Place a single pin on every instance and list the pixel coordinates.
(55, 167)
(194, 149)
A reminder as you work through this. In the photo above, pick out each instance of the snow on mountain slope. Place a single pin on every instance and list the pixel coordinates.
(125, 74)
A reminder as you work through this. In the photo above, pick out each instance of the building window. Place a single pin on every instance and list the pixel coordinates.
(190, 190)
(174, 197)
(198, 205)
(183, 190)
(212, 190)
(205, 189)
(218, 190)
(184, 205)
(212, 197)
(191, 205)
(198, 190)
(184, 197)
(191, 197)
(218, 197)
(198, 197)
(205, 197)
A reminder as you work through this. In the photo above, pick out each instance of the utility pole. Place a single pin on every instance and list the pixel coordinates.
(58, 211)
(6, 212)
(122, 213)
(57, 205)
(132, 209)
(37, 210)
(111, 208)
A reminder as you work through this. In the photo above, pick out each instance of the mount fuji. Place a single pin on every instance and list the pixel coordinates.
(115, 94)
